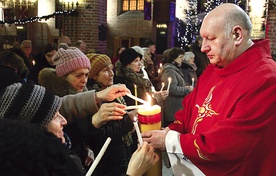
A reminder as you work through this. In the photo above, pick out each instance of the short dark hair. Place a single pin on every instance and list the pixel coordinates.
(14, 61)
(174, 53)
(150, 42)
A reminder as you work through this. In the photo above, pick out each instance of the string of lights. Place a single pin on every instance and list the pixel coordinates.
(46, 17)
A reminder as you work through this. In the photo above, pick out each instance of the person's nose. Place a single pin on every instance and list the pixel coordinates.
(63, 121)
(111, 73)
(84, 79)
(205, 46)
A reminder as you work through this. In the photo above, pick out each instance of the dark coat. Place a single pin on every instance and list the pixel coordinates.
(189, 72)
(177, 90)
(119, 151)
(8, 77)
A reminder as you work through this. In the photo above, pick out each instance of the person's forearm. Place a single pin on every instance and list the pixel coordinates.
(79, 105)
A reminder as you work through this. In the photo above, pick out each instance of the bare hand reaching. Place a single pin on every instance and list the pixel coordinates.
(108, 112)
(112, 92)
(142, 159)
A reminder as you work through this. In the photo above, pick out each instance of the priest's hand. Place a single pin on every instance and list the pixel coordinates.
(156, 138)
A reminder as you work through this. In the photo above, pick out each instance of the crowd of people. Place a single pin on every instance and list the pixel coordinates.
(68, 101)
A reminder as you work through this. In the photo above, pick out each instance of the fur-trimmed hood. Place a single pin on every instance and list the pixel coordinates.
(58, 85)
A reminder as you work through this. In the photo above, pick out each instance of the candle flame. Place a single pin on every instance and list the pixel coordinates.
(160, 65)
(158, 71)
(169, 79)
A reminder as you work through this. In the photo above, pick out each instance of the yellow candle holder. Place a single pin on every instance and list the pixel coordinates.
(150, 119)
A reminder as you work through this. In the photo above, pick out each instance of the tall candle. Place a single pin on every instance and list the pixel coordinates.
(136, 98)
(140, 140)
(169, 80)
(150, 119)
(98, 158)
(135, 94)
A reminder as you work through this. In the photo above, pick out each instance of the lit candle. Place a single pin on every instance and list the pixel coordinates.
(140, 140)
(135, 94)
(163, 84)
(136, 98)
(158, 71)
(150, 119)
(169, 80)
(134, 107)
(160, 65)
(99, 157)
(193, 82)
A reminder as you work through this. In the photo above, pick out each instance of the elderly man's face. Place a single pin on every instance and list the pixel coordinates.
(216, 44)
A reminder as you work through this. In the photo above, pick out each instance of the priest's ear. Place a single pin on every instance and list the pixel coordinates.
(237, 34)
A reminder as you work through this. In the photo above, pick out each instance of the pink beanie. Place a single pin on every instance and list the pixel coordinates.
(69, 60)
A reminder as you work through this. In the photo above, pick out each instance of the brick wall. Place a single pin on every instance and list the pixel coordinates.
(271, 31)
(85, 26)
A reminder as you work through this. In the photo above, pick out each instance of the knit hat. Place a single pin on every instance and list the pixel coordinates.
(128, 55)
(98, 62)
(28, 102)
(69, 60)
(139, 50)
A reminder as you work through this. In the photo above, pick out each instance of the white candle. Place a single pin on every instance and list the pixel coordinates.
(98, 158)
(193, 82)
(134, 107)
(135, 94)
(163, 84)
(136, 98)
(169, 80)
(140, 140)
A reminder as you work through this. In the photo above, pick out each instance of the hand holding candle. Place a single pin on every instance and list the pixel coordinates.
(169, 80)
(99, 157)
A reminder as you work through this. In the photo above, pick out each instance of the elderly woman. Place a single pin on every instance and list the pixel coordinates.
(17, 102)
(70, 77)
(117, 156)
(178, 89)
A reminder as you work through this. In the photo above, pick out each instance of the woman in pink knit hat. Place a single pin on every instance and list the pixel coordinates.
(70, 77)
